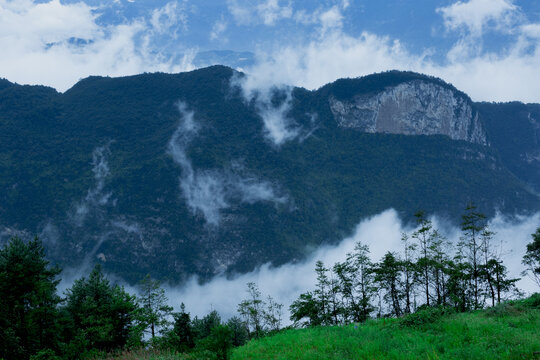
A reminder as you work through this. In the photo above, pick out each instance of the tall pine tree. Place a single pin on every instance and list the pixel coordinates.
(28, 300)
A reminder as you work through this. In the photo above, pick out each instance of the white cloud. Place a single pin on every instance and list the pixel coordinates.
(475, 15)
(507, 75)
(41, 36)
(209, 191)
(276, 122)
(271, 11)
(473, 18)
(95, 197)
(168, 18)
(219, 27)
(243, 15)
(331, 19)
(56, 44)
(327, 19)
(203, 192)
(490, 77)
(531, 30)
(267, 12)
(272, 100)
(285, 283)
(25, 23)
(333, 56)
(278, 127)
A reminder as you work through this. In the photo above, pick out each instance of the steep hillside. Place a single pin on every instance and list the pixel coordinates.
(176, 174)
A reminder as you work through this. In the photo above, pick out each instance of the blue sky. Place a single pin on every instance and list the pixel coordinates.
(488, 48)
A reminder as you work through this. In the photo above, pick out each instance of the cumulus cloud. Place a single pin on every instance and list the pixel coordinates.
(270, 12)
(331, 19)
(45, 23)
(508, 75)
(327, 19)
(169, 17)
(267, 12)
(381, 233)
(491, 77)
(209, 191)
(531, 30)
(66, 40)
(332, 53)
(328, 58)
(475, 15)
(473, 18)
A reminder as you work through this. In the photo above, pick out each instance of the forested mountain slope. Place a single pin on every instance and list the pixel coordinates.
(191, 173)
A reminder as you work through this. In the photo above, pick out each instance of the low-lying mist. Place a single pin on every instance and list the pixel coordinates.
(285, 283)
(381, 233)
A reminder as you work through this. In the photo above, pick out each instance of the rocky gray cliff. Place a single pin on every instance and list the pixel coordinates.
(412, 108)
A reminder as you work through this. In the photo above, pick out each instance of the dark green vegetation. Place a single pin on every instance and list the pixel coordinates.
(28, 299)
(531, 260)
(134, 220)
(513, 131)
(429, 271)
(97, 319)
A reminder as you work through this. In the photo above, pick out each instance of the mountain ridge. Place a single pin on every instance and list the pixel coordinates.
(97, 180)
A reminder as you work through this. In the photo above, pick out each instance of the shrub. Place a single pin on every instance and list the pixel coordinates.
(219, 342)
(502, 309)
(532, 302)
(514, 307)
(425, 315)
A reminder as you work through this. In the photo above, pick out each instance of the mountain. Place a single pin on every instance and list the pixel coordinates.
(193, 173)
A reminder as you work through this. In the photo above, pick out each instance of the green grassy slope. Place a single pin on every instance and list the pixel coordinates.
(509, 331)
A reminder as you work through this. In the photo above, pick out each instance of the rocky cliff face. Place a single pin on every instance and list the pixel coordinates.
(413, 108)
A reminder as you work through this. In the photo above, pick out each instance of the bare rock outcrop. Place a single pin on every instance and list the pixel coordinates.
(413, 108)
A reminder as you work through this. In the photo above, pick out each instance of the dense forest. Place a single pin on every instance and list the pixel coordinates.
(94, 318)
(92, 170)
